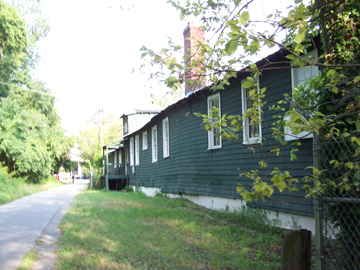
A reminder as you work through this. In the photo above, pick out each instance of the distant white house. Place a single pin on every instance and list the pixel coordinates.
(75, 155)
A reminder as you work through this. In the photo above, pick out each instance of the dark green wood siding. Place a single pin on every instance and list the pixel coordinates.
(193, 169)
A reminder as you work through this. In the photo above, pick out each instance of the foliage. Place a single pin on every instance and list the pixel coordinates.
(28, 261)
(64, 160)
(13, 188)
(111, 130)
(168, 98)
(97, 178)
(179, 235)
(234, 38)
(31, 136)
(128, 189)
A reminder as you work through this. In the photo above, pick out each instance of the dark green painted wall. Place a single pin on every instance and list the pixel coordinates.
(192, 169)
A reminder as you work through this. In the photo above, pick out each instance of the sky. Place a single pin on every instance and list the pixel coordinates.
(92, 48)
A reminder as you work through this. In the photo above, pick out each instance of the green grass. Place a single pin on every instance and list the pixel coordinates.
(28, 261)
(118, 230)
(15, 188)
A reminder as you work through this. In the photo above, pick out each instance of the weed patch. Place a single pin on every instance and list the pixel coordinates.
(13, 188)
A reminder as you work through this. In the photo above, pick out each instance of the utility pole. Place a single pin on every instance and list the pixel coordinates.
(99, 113)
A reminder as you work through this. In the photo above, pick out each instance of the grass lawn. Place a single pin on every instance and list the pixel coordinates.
(118, 230)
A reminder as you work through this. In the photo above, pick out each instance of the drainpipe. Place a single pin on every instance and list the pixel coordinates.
(107, 170)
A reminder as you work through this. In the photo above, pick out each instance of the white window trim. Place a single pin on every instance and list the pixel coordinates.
(289, 136)
(211, 143)
(144, 141)
(132, 151)
(246, 130)
(154, 147)
(137, 150)
(314, 57)
(166, 139)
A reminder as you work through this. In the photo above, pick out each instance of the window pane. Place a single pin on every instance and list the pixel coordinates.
(213, 135)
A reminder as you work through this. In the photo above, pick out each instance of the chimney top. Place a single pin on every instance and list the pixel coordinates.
(193, 31)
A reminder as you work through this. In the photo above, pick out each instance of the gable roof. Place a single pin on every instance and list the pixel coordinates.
(272, 60)
(147, 109)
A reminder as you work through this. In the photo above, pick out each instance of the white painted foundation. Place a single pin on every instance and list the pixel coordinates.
(283, 220)
(148, 191)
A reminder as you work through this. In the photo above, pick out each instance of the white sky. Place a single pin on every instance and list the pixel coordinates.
(91, 49)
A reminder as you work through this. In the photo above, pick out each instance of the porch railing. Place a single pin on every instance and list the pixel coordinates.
(116, 169)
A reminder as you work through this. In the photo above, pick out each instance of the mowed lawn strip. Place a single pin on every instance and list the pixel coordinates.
(118, 230)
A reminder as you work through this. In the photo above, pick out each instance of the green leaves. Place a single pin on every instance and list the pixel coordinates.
(231, 46)
(244, 18)
(31, 136)
(232, 38)
(300, 37)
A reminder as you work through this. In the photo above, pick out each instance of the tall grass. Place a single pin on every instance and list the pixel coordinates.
(13, 188)
(118, 230)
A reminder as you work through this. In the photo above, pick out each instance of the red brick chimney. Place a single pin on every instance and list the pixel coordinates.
(192, 53)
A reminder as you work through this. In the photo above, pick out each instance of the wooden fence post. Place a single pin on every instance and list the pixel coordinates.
(296, 250)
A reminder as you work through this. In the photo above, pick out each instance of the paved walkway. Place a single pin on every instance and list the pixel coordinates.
(23, 221)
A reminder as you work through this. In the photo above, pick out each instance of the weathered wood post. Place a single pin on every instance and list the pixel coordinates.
(295, 250)
(107, 170)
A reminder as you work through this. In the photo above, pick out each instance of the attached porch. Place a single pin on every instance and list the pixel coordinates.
(115, 167)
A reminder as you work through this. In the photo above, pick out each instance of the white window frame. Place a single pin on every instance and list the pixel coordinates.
(132, 151)
(311, 69)
(154, 153)
(166, 137)
(246, 131)
(137, 150)
(144, 141)
(213, 136)
(289, 136)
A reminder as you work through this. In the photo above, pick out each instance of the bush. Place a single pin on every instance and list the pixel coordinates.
(97, 178)
(128, 189)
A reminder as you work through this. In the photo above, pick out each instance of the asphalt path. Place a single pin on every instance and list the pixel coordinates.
(23, 221)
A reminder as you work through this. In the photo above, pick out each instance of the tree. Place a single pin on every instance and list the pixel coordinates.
(31, 136)
(111, 128)
(64, 159)
(327, 106)
(235, 39)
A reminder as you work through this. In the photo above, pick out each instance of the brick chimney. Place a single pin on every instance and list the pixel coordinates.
(192, 53)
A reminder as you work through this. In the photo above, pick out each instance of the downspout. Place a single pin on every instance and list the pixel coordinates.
(107, 170)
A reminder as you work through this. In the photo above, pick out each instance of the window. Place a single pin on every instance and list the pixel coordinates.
(131, 151)
(165, 127)
(137, 149)
(252, 131)
(214, 138)
(144, 141)
(299, 76)
(154, 143)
